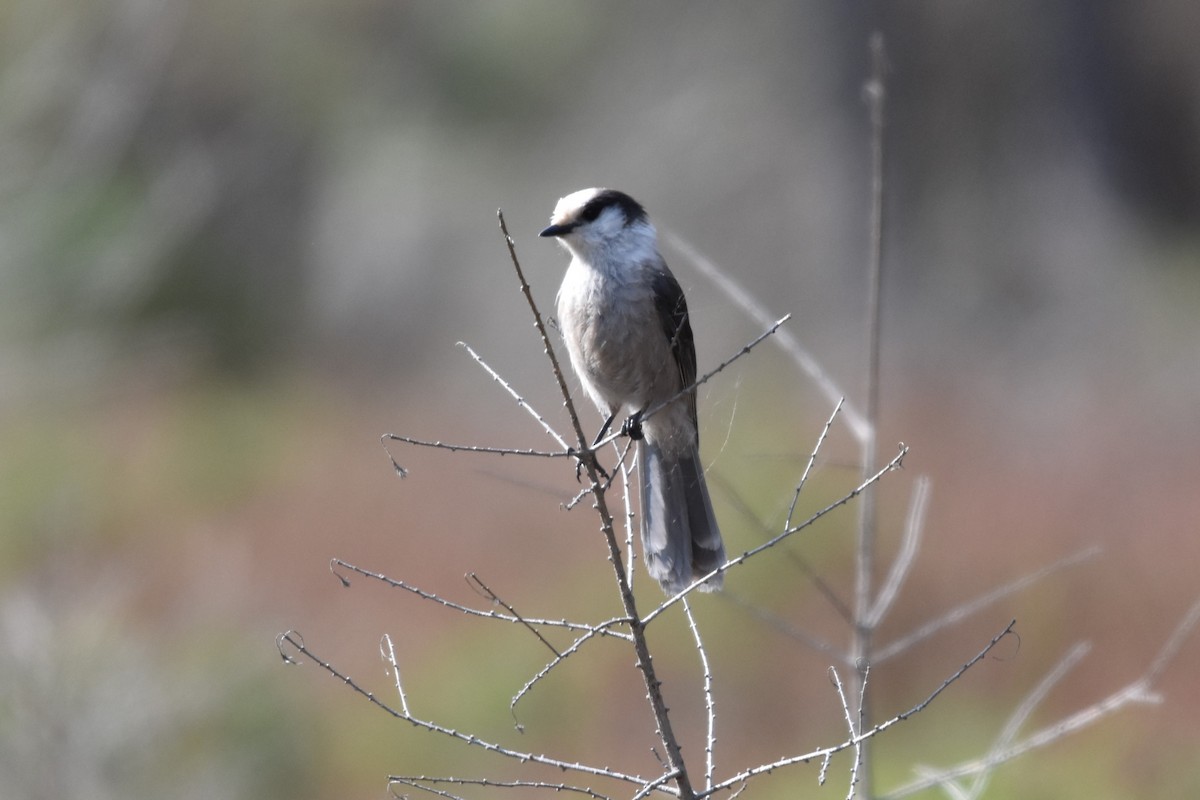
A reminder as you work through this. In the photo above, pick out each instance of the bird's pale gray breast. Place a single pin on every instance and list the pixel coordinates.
(614, 341)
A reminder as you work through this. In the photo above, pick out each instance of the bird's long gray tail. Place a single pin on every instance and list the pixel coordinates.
(680, 536)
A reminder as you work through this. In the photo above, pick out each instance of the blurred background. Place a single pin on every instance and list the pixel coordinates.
(239, 241)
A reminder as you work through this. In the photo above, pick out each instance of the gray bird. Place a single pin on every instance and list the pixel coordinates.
(626, 326)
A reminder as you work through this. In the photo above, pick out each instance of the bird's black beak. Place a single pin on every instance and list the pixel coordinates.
(557, 230)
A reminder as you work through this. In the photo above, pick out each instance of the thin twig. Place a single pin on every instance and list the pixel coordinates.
(733, 562)
(559, 377)
(422, 788)
(913, 528)
(558, 659)
(742, 506)
(472, 578)
(812, 457)
(771, 330)
(823, 772)
(823, 587)
(1138, 691)
(475, 612)
(297, 643)
(961, 612)
(758, 312)
(764, 769)
(417, 781)
(474, 448)
(1025, 709)
(1132, 693)
(388, 652)
(630, 528)
(850, 725)
(521, 401)
(1182, 631)
(655, 785)
(709, 704)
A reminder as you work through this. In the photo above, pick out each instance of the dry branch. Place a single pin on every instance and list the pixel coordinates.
(1138, 691)
(764, 769)
(293, 639)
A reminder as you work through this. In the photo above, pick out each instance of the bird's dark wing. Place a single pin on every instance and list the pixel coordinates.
(673, 316)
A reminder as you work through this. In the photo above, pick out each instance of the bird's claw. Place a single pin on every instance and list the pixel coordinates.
(579, 466)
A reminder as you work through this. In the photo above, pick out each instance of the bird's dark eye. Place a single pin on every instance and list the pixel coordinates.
(610, 198)
(592, 209)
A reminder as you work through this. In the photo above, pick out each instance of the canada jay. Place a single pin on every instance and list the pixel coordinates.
(625, 322)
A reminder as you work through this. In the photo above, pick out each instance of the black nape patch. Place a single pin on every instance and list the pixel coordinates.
(609, 198)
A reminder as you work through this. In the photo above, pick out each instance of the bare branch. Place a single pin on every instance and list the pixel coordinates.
(811, 459)
(764, 769)
(656, 785)
(1169, 650)
(709, 705)
(388, 652)
(849, 716)
(965, 610)
(587, 455)
(1138, 691)
(560, 657)
(297, 643)
(630, 527)
(546, 426)
(913, 527)
(746, 348)
(733, 562)
(474, 579)
(740, 504)
(824, 771)
(419, 781)
(786, 341)
(1025, 709)
(473, 448)
(475, 612)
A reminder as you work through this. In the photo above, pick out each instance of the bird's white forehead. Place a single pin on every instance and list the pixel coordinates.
(569, 207)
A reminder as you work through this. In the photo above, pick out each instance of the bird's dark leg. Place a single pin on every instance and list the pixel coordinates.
(604, 428)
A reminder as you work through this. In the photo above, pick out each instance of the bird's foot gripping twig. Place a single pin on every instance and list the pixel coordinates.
(632, 426)
(580, 457)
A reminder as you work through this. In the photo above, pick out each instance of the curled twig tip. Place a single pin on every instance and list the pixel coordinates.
(333, 564)
(1010, 632)
(290, 637)
(478, 587)
(383, 440)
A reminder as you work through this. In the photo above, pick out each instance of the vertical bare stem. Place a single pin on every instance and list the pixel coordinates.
(709, 705)
(865, 562)
(677, 770)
